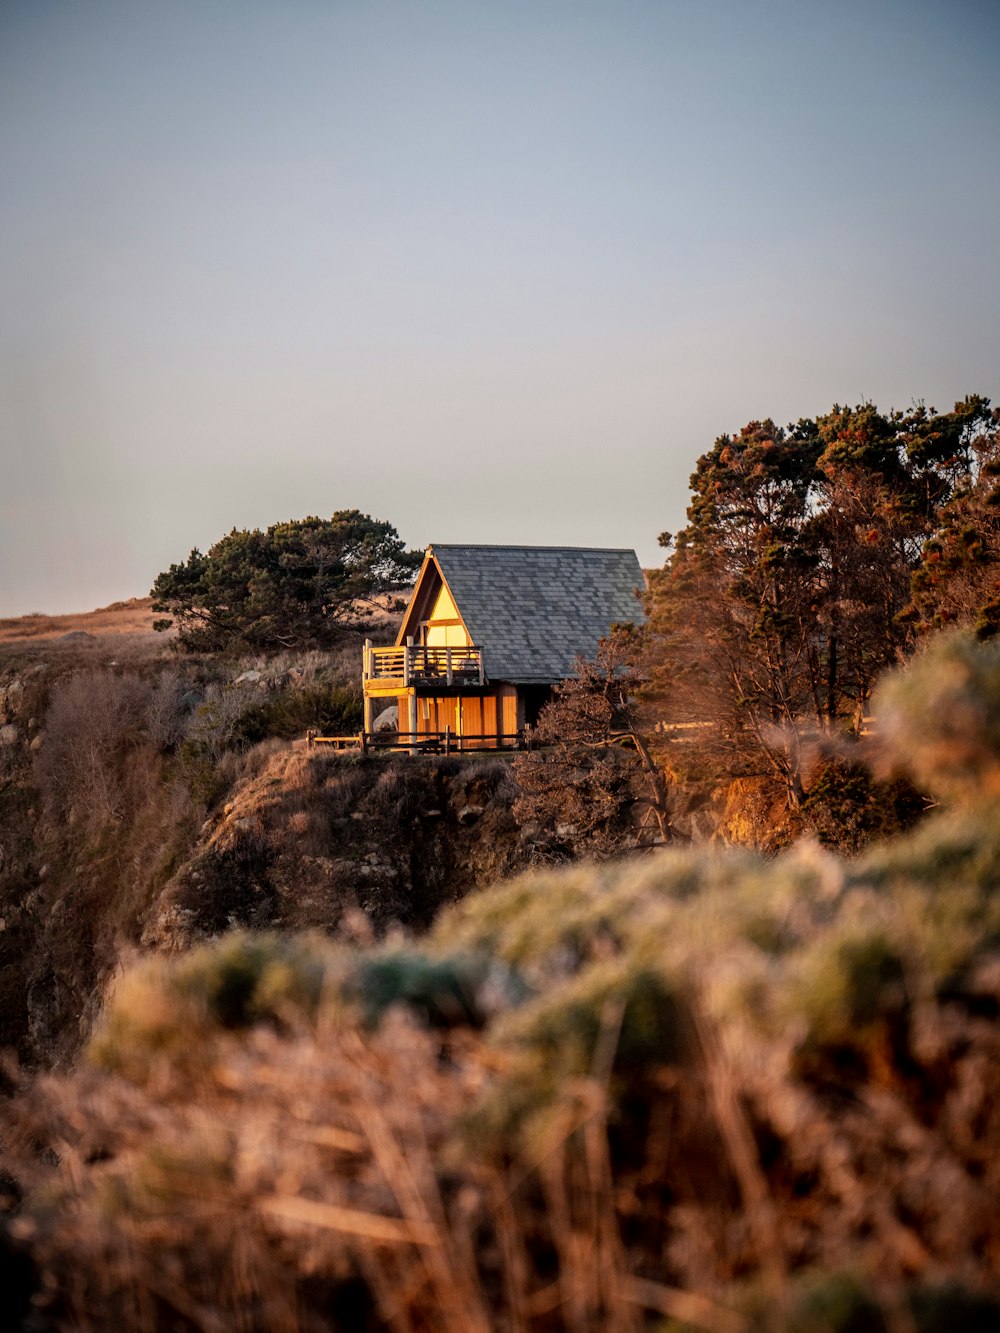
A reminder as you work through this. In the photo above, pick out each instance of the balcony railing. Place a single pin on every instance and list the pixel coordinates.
(415, 664)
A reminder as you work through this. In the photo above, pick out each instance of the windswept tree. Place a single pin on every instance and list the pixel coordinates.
(296, 585)
(781, 602)
(732, 610)
(872, 508)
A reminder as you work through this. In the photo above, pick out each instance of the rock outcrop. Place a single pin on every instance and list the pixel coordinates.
(316, 838)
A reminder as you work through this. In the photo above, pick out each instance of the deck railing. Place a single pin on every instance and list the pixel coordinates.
(418, 664)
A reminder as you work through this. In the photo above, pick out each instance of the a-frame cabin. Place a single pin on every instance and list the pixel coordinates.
(487, 633)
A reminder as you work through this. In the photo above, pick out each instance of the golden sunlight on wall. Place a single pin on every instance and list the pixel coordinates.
(441, 634)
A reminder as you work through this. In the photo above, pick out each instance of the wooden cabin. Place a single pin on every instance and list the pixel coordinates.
(488, 632)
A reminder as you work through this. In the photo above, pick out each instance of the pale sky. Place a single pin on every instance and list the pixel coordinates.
(493, 270)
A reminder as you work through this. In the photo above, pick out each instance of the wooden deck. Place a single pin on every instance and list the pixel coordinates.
(385, 670)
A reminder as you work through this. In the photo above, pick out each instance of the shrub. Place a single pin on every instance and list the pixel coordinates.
(495, 777)
(444, 992)
(228, 721)
(95, 720)
(850, 993)
(172, 1009)
(399, 794)
(939, 719)
(848, 808)
(332, 710)
(168, 709)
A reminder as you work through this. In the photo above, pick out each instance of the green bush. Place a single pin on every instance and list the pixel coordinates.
(634, 1007)
(247, 978)
(848, 808)
(445, 992)
(848, 985)
(942, 880)
(939, 718)
(173, 1009)
(332, 710)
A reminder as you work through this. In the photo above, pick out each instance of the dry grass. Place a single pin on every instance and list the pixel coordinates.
(723, 1092)
(134, 616)
(272, 1180)
(705, 1088)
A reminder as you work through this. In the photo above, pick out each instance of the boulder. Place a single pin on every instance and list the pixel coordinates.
(388, 719)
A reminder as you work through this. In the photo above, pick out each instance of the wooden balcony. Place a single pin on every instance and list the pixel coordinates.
(414, 664)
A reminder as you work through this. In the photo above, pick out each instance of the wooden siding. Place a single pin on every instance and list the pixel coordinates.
(443, 627)
(478, 717)
(509, 710)
(492, 715)
(437, 715)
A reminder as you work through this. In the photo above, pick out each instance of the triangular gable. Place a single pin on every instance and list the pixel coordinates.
(426, 592)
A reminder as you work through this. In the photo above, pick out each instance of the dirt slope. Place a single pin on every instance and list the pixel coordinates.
(315, 837)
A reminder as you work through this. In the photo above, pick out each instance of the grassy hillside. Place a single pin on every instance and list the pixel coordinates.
(153, 800)
(695, 1090)
(132, 617)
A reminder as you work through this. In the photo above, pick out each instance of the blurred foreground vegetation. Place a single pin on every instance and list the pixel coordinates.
(692, 1090)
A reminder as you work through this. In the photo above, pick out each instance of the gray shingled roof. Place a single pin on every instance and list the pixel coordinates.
(535, 609)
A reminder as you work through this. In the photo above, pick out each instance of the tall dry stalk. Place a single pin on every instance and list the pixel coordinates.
(737, 1135)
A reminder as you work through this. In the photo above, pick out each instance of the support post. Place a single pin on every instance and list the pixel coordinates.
(447, 663)
(411, 726)
(482, 669)
(369, 712)
(447, 740)
(366, 660)
(407, 653)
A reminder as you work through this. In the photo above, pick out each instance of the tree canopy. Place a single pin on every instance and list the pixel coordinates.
(789, 591)
(295, 585)
(958, 579)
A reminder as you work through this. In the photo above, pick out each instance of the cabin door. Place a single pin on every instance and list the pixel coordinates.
(507, 706)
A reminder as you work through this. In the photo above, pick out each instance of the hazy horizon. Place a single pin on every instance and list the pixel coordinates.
(495, 273)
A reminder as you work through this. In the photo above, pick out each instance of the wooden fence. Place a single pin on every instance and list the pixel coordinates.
(423, 742)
